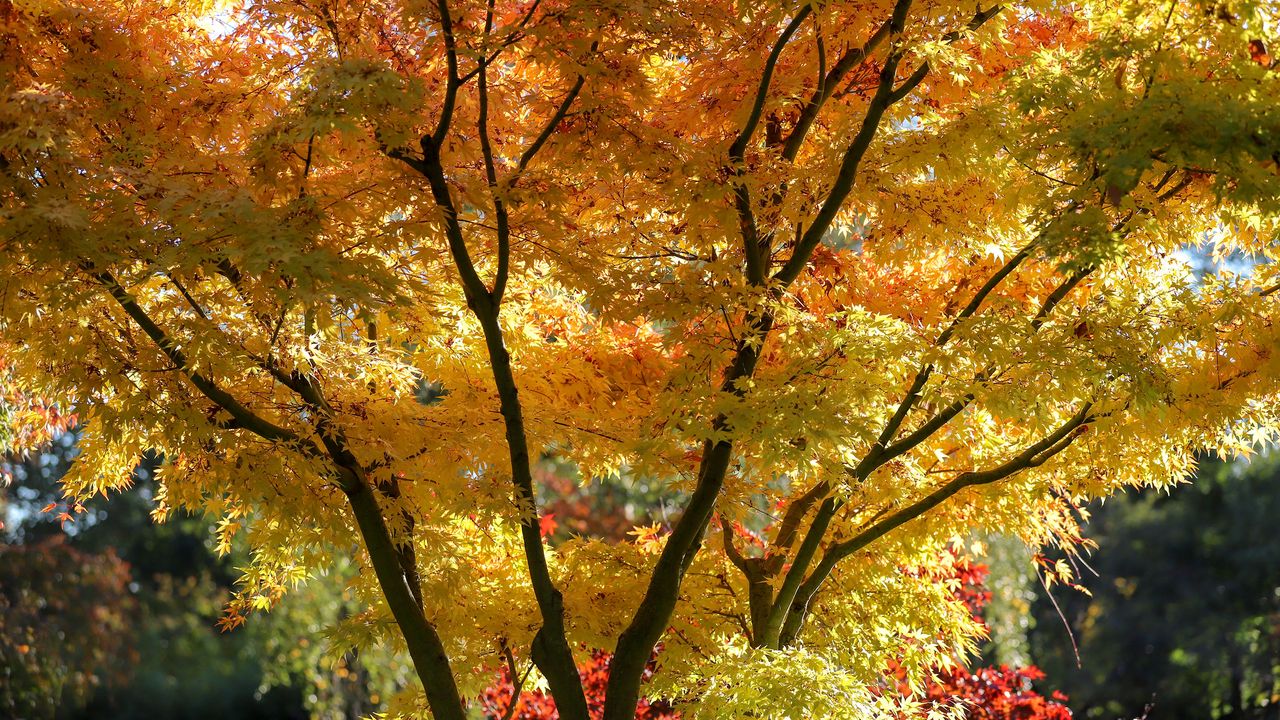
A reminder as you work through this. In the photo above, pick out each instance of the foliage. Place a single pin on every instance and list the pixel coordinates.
(27, 421)
(1184, 611)
(63, 627)
(170, 660)
(890, 271)
(997, 693)
(496, 700)
(989, 693)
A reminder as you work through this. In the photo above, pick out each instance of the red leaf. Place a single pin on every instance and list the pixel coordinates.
(547, 524)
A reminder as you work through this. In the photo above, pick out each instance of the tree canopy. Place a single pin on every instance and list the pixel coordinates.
(851, 279)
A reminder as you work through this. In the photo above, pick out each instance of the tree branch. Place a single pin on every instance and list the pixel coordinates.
(799, 507)
(638, 639)
(922, 375)
(452, 81)
(512, 37)
(882, 451)
(885, 96)
(517, 681)
(424, 644)
(527, 156)
(843, 184)
(979, 19)
(501, 219)
(738, 148)
(650, 619)
(809, 113)
(754, 253)
(1033, 456)
(243, 416)
(550, 652)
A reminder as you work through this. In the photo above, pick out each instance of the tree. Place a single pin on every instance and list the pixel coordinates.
(888, 271)
(96, 650)
(62, 619)
(996, 692)
(1184, 612)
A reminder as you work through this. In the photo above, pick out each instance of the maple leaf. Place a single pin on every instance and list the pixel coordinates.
(547, 524)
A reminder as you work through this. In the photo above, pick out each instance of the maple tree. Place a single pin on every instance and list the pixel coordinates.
(887, 271)
(988, 693)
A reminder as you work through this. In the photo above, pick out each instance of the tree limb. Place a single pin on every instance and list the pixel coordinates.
(1033, 456)
(852, 159)
(527, 156)
(243, 416)
(755, 254)
(809, 113)
(884, 450)
(638, 639)
(550, 652)
(424, 644)
(501, 219)
(512, 37)
(452, 81)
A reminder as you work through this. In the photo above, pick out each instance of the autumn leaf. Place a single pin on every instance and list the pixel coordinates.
(1258, 53)
(547, 524)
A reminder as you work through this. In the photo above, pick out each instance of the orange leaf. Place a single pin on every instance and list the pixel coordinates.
(547, 524)
(1258, 51)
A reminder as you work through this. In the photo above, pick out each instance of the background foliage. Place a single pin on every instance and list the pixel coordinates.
(1185, 605)
(127, 609)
